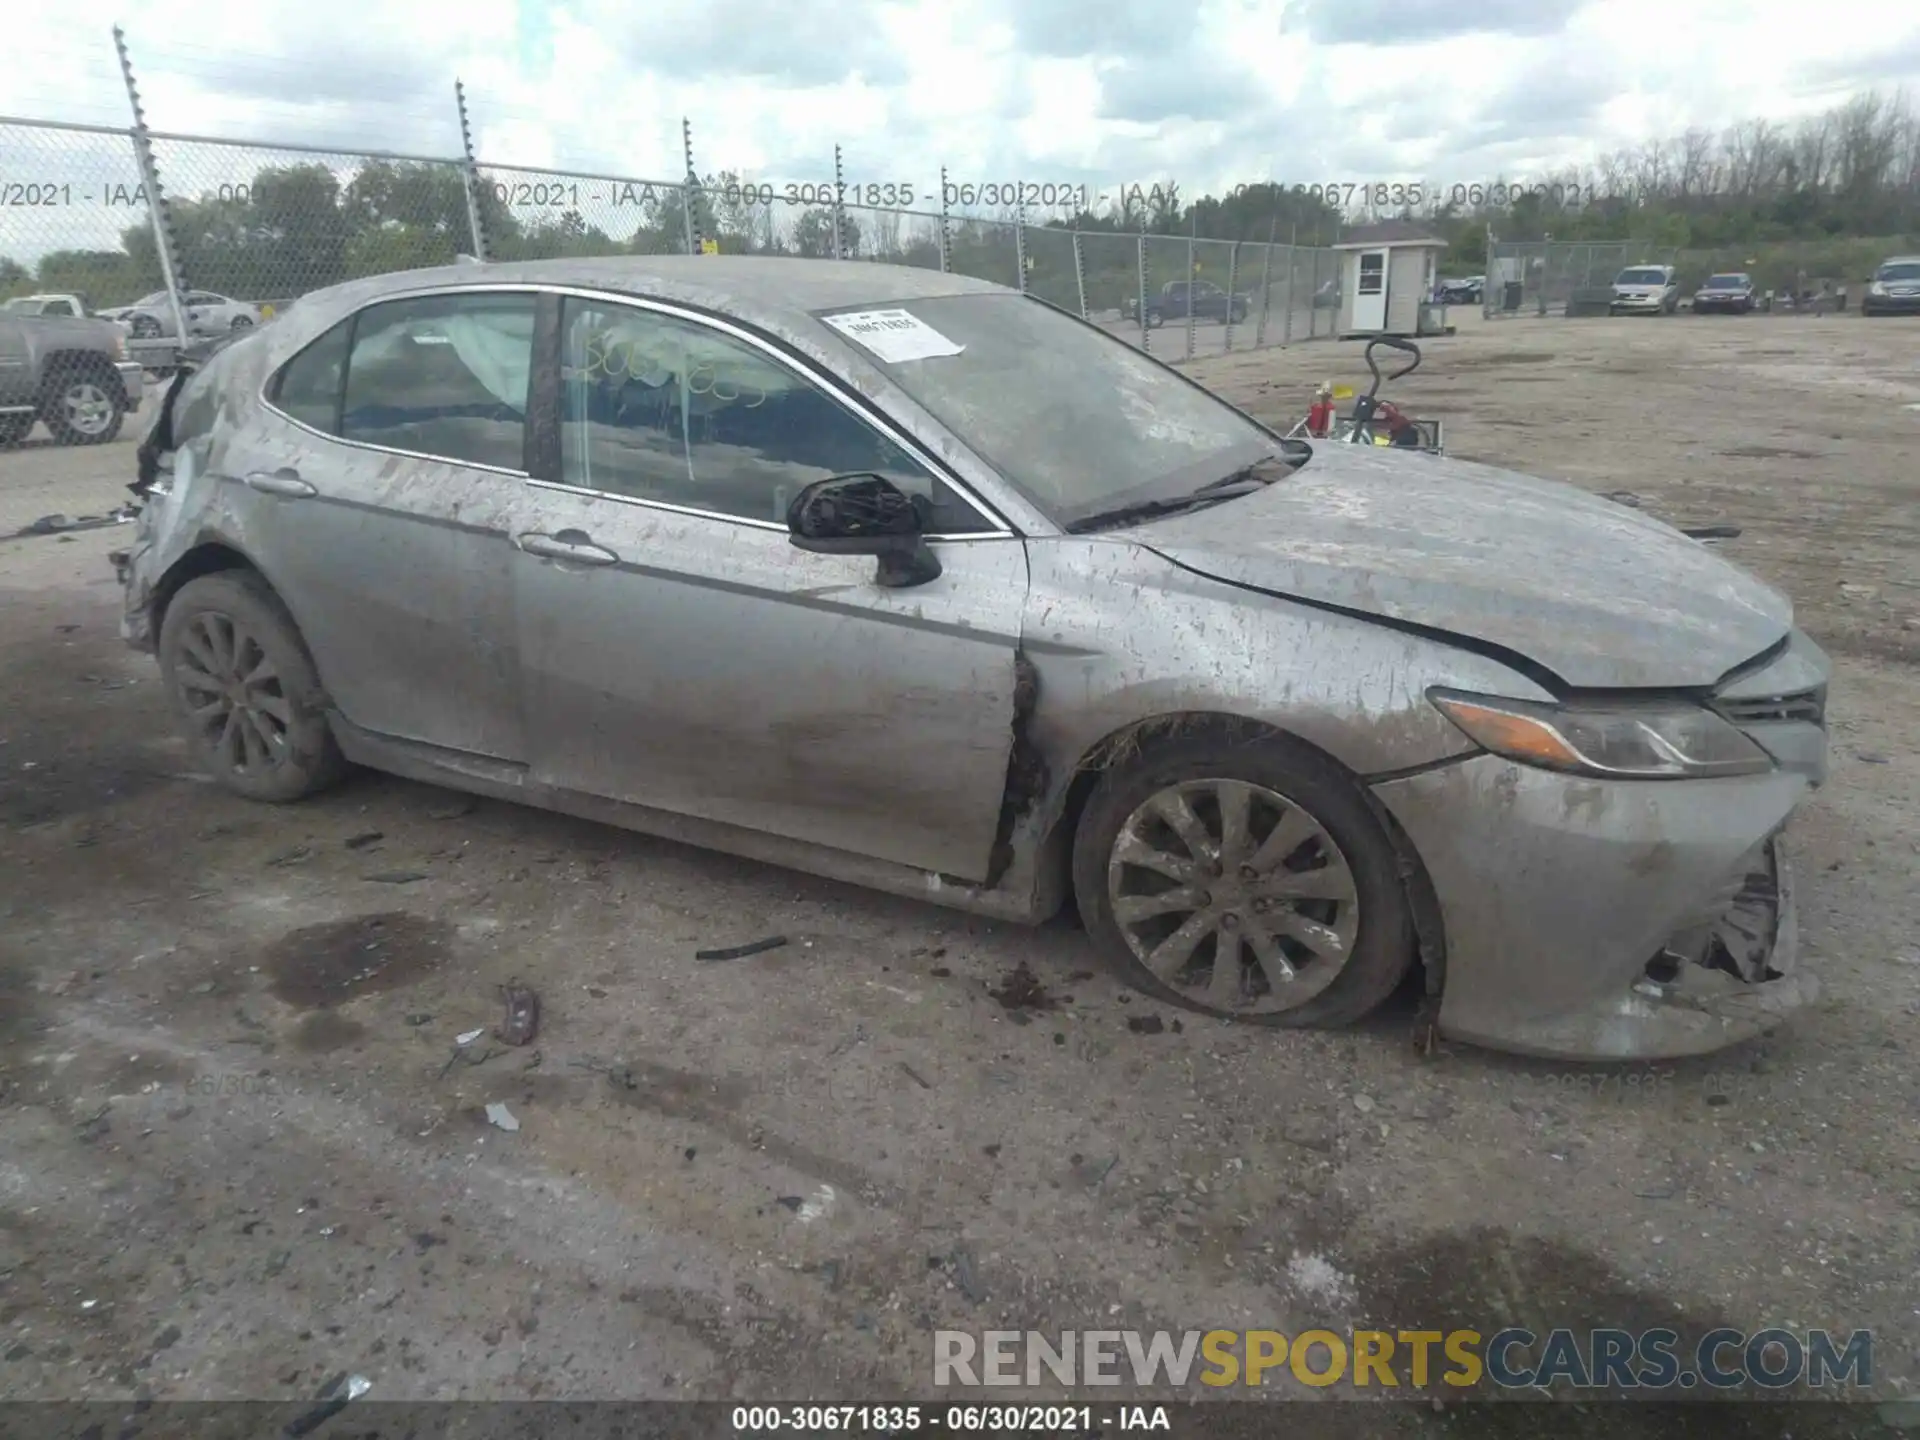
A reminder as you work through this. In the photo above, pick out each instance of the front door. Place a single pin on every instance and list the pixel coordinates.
(680, 653)
(388, 532)
(1370, 292)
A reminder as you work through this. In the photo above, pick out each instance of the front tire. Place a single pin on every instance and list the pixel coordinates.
(145, 327)
(1155, 319)
(1249, 881)
(241, 322)
(245, 690)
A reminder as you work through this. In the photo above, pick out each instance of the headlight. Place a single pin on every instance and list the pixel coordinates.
(1671, 740)
(1876, 288)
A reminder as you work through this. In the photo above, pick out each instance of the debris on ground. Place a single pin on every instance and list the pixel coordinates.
(292, 857)
(522, 1020)
(395, 877)
(1020, 989)
(1146, 1024)
(467, 1037)
(454, 811)
(334, 1397)
(740, 952)
(364, 839)
(966, 1275)
(500, 1117)
(915, 1076)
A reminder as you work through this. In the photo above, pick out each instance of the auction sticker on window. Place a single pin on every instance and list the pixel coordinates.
(893, 335)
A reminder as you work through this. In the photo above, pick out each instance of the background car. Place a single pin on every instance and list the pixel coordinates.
(1894, 288)
(1465, 291)
(1730, 294)
(1645, 290)
(208, 314)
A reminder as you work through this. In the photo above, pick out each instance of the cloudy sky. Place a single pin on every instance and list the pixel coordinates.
(1096, 92)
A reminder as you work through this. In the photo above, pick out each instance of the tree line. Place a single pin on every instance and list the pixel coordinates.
(1852, 171)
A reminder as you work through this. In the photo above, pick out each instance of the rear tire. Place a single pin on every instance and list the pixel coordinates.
(1155, 319)
(1300, 895)
(245, 690)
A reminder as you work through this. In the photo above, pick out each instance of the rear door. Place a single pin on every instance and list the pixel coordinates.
(680, 653)
(387, 480)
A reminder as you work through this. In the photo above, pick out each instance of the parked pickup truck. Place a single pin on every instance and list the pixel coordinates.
(1208, 301)
(71, 372)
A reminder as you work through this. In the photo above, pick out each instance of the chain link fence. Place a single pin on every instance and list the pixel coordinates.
(247, 228)
(1552, 277)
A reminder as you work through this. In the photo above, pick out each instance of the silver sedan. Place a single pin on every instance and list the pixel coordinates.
(910, 580)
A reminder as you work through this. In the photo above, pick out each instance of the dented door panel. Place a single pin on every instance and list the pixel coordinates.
(715, 670)
(399, 572)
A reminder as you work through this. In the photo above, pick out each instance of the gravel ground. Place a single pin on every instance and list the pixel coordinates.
(240, 1150)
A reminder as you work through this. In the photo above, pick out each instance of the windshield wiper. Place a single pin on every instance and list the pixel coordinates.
(1244, 481)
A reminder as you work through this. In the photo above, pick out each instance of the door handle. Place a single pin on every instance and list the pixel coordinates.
(280, 482)
(570, 545)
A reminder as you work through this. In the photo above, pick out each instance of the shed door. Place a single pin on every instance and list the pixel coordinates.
(1370, 294)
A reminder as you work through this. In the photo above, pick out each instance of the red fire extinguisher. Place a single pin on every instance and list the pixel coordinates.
(1320, 413)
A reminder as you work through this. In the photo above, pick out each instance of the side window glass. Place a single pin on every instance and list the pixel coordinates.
(664, 409)
(62, 307)
(445, 375)
(308, 386)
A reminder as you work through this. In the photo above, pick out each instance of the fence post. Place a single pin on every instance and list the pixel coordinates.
(1020, 242)
(1080, 274)
(1193, 231)
(839, 207)
(470, 173)
(158, 212)
(1266, 287)
(1293, 262)
(1141, 270)
(695, 235)
(1233, 271)
(946, 257)
(1493, 281)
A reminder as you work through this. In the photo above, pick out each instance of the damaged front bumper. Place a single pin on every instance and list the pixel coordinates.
(1607, 920)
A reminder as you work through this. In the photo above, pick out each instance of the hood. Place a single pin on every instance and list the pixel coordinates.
(1600, 594)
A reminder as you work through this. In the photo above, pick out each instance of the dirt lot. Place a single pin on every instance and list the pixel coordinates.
(240, 1152)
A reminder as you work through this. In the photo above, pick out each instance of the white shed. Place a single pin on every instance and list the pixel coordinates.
(1387, 271)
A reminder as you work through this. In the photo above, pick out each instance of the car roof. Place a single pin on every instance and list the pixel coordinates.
(773, 290)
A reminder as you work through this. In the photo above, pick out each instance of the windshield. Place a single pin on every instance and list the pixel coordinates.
(1909, 270)
(1725, 282)
(1078, 420)
(1642, 277)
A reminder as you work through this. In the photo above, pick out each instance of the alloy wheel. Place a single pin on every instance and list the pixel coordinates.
(234, 696)
(87, 408)
(1234, 895)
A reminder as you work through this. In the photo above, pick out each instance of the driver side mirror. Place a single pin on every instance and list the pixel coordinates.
(865, 514)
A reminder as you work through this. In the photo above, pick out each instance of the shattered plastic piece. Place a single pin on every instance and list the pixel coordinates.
(522, 1020)
(334, 1397)
(501, 1118)
(467, 1037)
(395, 877)
(966, 1276)
(740, 952)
